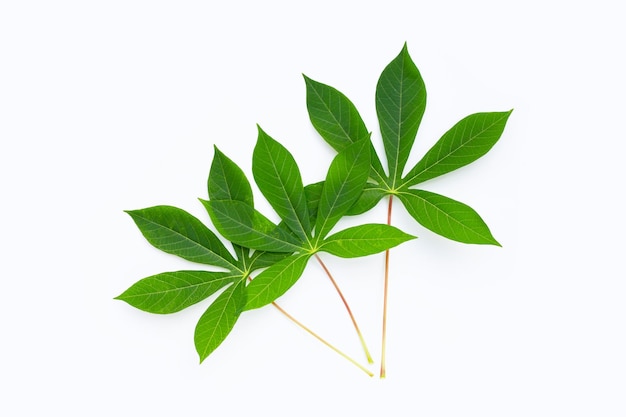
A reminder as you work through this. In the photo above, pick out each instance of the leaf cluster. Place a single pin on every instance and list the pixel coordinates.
(400, 105)
(277, 253)
(309, 215)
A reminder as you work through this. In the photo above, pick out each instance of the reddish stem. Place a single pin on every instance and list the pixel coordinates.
(345, 303)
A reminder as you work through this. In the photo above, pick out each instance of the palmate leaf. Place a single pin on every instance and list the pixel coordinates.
(364, 240)
(278, 177)
(464, 143)
(243, 225)
(219, 319)
(170, 292)
(275, 280)
(344, 183)
(175, 231)
(447, 217)
(400, 104)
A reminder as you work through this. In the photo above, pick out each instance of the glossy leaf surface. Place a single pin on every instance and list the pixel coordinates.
(278, 177)
(447, 217)
(170, 292)
(337, 120)
(275, 281)
(175, 231)
(400, 104)
(227, 181)
(243, 225)
(364, 240)
(370, 196)
(464, 143)
(344, 183)
(219, 319)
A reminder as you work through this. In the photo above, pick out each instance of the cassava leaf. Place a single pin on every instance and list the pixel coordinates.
(227, 181)
(278, 177)
(333, 115)
(371, 195)
(465, 142)
(344, 183)
(219, 319)
(400, 104)
(175, 231)
(364, 240)
(447, 217)
(262, 259)
(275, 280)
(337, 120)
(243, 225)
(313, 193)
(170, 292)
(243, 254)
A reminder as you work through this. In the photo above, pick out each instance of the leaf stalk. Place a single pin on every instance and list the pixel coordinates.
(315, 335)
(345, 303)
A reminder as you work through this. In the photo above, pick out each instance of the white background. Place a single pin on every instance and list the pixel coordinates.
(108, 106)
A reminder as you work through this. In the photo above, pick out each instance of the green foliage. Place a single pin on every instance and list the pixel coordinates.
(355, 182)
(278, 177)
(282, 250)
(170, 292)
(400, 104)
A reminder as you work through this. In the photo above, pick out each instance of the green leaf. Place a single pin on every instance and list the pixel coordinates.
(364, 240)
(219, 319)
(400, 104)
(170, 292)
(262, 259)
(243, 225)
(243, 254)
(333, 115)
(275, 280)
(371, 195)
(337, 120)
(278, 177)
(177, 232)
(227, 181)
(344, 183)
(464, 143)
(447, 217)
(313, 193)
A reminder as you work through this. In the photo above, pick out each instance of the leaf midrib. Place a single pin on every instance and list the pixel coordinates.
(191, 240)
(438, 161)
(336, 198)
(447, 216)
(186, 287)
(232, 288)
(276, 277)
(305, 233)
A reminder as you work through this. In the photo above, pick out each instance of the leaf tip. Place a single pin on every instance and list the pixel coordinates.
(131, 213)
